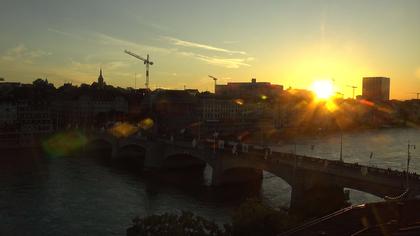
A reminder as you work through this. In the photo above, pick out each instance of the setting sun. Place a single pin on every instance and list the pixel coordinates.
(322, 88)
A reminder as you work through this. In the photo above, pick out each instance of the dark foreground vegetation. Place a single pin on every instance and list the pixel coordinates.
(251, 218)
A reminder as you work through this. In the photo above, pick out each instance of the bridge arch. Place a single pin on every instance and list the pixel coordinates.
(233, 168)
(183, 160)
(375, 189)
(132, 153)
(99, 144)
(240, 174)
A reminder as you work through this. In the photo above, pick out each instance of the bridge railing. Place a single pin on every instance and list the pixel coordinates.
(267, 154)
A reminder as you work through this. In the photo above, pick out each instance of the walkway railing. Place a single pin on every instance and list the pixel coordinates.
(267, 154)
(236, 149)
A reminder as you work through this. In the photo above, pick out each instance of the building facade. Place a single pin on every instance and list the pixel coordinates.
(376, 88)
(254, 90)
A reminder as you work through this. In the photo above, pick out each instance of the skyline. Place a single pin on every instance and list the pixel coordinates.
(292, 43)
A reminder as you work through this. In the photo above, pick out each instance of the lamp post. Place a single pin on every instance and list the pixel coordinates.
(215, 134)
(409, 146)
(199, 130)
(341, 146)
(341, 138)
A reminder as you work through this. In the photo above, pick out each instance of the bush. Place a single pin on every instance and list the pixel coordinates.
(171, 224)
(251, 218)
(255, 218)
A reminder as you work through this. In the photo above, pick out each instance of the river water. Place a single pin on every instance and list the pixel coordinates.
(80, 195)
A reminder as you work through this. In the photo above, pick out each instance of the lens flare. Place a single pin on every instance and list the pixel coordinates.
(146, 124)
(239, 101)
(331, 106)
(64, 144)
(124, 129)
(323, 89)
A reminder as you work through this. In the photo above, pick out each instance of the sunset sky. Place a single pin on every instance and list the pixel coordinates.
(292, 43)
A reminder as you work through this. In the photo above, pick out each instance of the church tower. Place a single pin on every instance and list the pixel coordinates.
(101, 82)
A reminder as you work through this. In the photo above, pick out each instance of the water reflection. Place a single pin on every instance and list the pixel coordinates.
(69, 195)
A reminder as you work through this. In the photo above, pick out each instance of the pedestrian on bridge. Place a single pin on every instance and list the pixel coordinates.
(194, 143)
(267, 152)
(234, 150)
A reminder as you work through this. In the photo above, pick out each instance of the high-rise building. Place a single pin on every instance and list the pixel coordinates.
(376, 88)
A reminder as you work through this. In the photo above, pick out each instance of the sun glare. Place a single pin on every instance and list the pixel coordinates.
(323, 89)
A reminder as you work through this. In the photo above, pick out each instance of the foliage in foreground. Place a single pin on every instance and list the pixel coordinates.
(255, 218)
(251, 218)
(171, 224)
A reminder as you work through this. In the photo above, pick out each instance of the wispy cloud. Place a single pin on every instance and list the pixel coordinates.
(183, 43)
(106, 39)
(230, 42)
(147, 24)
(23, 54)
(231, 63)
(65, 33)
(111, 40)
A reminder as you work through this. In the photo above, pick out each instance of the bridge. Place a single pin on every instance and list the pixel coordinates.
(311, 179)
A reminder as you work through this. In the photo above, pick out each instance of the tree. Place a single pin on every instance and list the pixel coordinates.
(251, 218)
(172, 224)
(255, 218)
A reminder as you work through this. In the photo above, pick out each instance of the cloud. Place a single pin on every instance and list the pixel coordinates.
(111, 40)
(105, 39)
(23, 54)
(230, 42)
(231, 63)
(64, 33)
(145, 22)
(183, 43)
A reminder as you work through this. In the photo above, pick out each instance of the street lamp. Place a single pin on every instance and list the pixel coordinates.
(341, 139)
(409, 146)
(341, 146)
(215, 134)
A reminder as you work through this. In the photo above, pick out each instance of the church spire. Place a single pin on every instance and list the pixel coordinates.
(101, 82)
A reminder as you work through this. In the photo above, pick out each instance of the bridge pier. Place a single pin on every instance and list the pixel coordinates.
(315, 194)
(154, 155)
(114, 152)
(235, 176)
(183, 161)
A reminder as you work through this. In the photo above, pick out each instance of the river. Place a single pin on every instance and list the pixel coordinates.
(80, 195)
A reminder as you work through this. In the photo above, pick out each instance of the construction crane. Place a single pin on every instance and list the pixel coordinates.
(146, 61)
(215, 82)
(353, 87)
(417, 95)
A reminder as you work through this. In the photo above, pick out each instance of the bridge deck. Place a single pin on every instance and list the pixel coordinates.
(351, 174)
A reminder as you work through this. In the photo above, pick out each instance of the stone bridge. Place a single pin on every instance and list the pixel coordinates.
(311, 178)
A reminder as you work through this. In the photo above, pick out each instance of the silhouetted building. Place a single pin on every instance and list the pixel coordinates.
(25, 124)
(101, 82)
(171, 110)
(8, 113)
(253, 90)
(92, 109)
(376, 88)
(230, 117)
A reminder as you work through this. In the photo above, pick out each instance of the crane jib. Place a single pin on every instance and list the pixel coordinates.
(146, 62)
